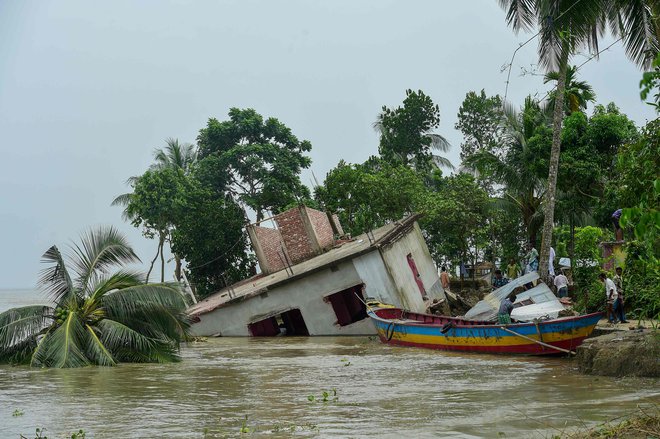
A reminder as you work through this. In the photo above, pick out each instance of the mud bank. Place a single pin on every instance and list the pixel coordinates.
(621, 353)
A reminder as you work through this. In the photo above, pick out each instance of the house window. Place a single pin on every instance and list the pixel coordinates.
(348, 305)
(289, 322)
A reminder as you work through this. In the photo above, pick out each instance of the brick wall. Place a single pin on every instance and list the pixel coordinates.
(294, 234)
(303, 232)
(270, 241)
(338, 225)
(322, 227)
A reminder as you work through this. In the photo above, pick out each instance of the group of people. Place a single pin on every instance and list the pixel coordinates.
(614, 296)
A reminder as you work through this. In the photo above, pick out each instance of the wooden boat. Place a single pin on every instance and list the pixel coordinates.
(559, 336)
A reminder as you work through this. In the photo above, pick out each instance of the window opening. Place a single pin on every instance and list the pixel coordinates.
(348, 305)
(287, 323)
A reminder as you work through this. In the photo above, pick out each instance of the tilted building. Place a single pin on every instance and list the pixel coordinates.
(313, 283)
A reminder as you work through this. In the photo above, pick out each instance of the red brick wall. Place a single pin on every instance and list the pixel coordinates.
(294, 234)
(271, 245)
(322, 227)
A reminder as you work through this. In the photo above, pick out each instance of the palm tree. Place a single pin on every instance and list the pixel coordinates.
(175, 155)
(96, 317)
(577, 94)
(523, 190)
(564, 27)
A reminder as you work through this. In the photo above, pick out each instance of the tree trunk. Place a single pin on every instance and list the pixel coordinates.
(177, 267)
(151, 267)
(571, 249)
(162, 258)
(548, 221)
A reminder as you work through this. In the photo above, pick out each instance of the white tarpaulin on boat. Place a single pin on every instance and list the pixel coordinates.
(539, 301)
(487, 308)
(545, 304)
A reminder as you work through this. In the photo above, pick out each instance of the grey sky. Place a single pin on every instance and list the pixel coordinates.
(89, 89)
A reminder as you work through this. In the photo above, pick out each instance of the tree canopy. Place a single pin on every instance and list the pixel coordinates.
(259, 160)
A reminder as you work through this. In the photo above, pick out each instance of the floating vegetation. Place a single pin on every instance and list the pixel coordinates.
(326, 396)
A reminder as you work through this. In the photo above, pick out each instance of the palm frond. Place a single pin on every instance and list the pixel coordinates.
(117, 281)
(99, 250)
(55, 280)
(63, 347)
(520, 14)
(122, 200)
(634, 21)
(20, 324)
(124, 302)
(439, 143)
(95, 349)
(130, 345)
(442, 162)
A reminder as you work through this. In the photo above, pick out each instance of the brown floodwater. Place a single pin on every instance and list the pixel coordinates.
(264, 387)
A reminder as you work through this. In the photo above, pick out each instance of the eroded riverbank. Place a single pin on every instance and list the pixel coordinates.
(381, 392)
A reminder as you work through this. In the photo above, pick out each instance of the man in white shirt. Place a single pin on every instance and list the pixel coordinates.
(611, 295)
(561, 283)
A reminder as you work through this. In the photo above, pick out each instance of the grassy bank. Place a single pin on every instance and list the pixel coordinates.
(644, 423)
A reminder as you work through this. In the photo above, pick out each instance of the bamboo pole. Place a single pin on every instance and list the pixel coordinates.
(566, 351)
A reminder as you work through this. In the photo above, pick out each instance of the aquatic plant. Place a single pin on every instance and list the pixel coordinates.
(97, 317)
(18, 412)
(326, 396)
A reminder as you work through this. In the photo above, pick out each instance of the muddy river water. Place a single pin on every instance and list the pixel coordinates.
(229, 387)
(264, 386)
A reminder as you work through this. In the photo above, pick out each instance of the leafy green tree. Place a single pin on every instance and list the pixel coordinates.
(147, 211)
(209, 235)
(577, 94)
(480, 122)
(406, 133)
(455, 218)
(96, 316)
(564, 27)
(155, 204)
(258, 160)
(638, 169)
(370, 195)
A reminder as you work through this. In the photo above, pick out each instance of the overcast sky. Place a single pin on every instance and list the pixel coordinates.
(88, 90)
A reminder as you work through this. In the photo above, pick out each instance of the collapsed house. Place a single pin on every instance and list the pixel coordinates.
(314, 283)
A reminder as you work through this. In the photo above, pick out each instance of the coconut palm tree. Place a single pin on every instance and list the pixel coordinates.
(523, 190)
(175, 155)
(564, 27)
(96, 317)
(577, 94)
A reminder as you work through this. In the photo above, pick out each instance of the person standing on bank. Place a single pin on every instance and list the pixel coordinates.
(444, 279)
(611, 296)
(561, 283)
(504, 313)
(619, 303)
